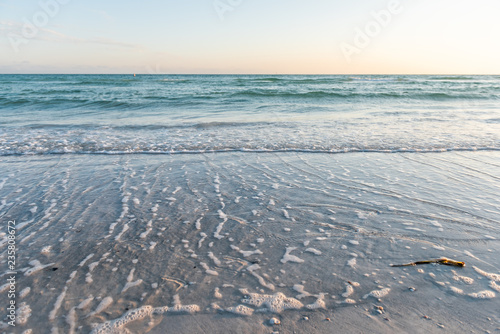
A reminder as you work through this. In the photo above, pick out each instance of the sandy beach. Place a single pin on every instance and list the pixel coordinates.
(223, 243)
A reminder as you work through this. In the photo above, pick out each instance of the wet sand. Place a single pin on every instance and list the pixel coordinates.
(222, 243)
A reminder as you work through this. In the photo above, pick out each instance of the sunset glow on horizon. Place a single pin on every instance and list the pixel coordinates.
(250, 37)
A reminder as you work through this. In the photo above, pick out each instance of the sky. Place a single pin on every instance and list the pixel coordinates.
(250, 36)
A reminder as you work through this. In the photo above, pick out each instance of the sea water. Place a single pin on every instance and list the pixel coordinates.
(222, 203)
(111, 114)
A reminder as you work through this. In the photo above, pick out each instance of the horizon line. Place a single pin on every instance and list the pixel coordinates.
(386, 74)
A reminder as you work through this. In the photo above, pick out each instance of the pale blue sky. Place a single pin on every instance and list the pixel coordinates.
(249, 36)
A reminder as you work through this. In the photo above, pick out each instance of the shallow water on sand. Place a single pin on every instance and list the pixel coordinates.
(188, 242)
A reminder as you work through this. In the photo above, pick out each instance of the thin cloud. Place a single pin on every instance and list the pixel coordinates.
(50, 35)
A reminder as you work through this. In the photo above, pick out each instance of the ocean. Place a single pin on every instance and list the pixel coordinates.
(250, 203)
(122, 114)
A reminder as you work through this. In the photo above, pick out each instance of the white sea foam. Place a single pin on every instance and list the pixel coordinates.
(465, 279)
(493, 277)
(351, 263)
(24, 292)
(23, 313)
(456, 290)
(129, 283)
(104, 304)
(57, 304)
(208, 270)
(348, 291)
(241, 310)
(37, 266)
(378, 293)
(485, 294)
(246, 253)
(217, 262)
(71, 320)
(273, 303)
(495, 286)
(319, 303)
(85, 303)
(251, 269)
(314, 251)
(118, 325)
(290, 258)
(300, 288)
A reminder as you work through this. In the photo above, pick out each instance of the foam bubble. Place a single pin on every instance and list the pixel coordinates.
(319, 303)
(290, 258)
(198, 223)
(214, 258)
(24, 292)
(314, 251)
(251, 269)
(300, 288)
(456, 290)
(465, 279)
(493, 277)
(246, 253)
(118, 325)
(131, 284)
(241, 310)
(485, 294)
(351, 263)
(145, 233)
(104, 304)
(223, 216)
(217, 293)
(92, 266)
(348, 291)
(37, 266)
(274, 303)
(23, 313)
(85, 303)
(203, 237)
(378, 293)
(57, 304)
(71, 320)
(125, 229)
(46, 250)
(208, 270)
(179, 308)
(495, 286)
(88, 278)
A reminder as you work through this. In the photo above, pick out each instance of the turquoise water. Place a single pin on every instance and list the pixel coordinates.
(117, 114)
